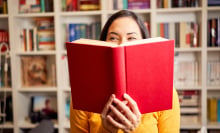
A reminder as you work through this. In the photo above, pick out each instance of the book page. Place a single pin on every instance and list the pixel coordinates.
(110, 44)
(95, 42)
(148, 40)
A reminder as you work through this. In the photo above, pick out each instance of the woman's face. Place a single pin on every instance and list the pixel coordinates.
(122, 30)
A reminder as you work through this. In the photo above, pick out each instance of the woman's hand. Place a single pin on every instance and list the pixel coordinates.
(123, 115)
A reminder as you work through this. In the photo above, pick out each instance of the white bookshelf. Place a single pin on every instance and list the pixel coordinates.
(21, 95)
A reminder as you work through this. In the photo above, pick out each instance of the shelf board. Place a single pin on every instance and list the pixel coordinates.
(80, 13)
(213, 88)
(141, 11)
(3, 15)
(38, 89)
(138, 11)
(188, 87)
(214, 8)
(67, 89)
(213, 125)
(27, 124)
(37, 53)
(213, 49)
(190, 126)
(5, 89)
(179, 10)
(188, 49)
(6, 125)
(34, 15)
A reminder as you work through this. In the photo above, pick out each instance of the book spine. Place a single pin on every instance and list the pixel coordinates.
(212, 109)
(42, 3)
(218, 110)
(125, 4)
(119, 71)
(5, 9)
(218, 31)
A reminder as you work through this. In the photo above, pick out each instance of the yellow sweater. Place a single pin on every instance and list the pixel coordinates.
(167, 121)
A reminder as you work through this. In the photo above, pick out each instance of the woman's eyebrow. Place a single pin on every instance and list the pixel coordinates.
(113, 33)
(131, 33)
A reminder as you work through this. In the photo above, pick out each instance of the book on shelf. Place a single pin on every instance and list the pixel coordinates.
(186, 73)
(70, 5)
(177, 3)
(80, 5)
(4, 38)
(189, 104)
(189, 130)
(213, 32)
(213, 130)
(218, 110)
(138, 4)
(5, 72)
(184, 3)
(213, 3)
(6, 109)
(128, 4)
(35, 6)
(213, 109)
(82, 30)
(67, 106)
(189, 118)
(184, 33)
(98, 69)
(189, 98)
(213, 73)
(89, 5)
(190, 110)
(46, 39)
(28, 39)
(3, 6)
(40, 37)
(45, 33)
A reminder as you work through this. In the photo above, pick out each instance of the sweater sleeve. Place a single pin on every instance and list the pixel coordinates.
(85, 122)
(78, 121)
(169, 120)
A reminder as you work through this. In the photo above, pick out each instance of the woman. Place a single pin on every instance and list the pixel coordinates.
(124, 116)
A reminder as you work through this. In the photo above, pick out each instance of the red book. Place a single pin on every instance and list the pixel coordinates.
(143, 69)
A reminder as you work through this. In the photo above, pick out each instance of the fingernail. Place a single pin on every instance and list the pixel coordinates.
(125, 94)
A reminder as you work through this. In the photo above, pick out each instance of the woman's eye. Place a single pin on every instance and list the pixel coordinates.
(132, 38)
(113, 39)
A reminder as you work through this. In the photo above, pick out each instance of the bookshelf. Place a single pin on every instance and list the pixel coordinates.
(13, 21)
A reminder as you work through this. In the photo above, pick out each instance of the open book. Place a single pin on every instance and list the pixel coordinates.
(143, 69)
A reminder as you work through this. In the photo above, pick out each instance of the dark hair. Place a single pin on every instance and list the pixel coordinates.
(124, 13)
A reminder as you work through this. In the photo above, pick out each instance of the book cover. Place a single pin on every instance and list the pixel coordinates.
(212, 109)
(144, 71)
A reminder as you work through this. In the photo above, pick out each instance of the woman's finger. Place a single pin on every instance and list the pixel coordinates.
(134, 107)
(125, 110)
(132, 104)
(120, 116)
(106, 108)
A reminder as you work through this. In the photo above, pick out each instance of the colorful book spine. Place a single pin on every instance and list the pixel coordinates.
(218, 110)
(42, 3)
(214, 109)
(184, 33)
(83, 30)
(72, 32)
